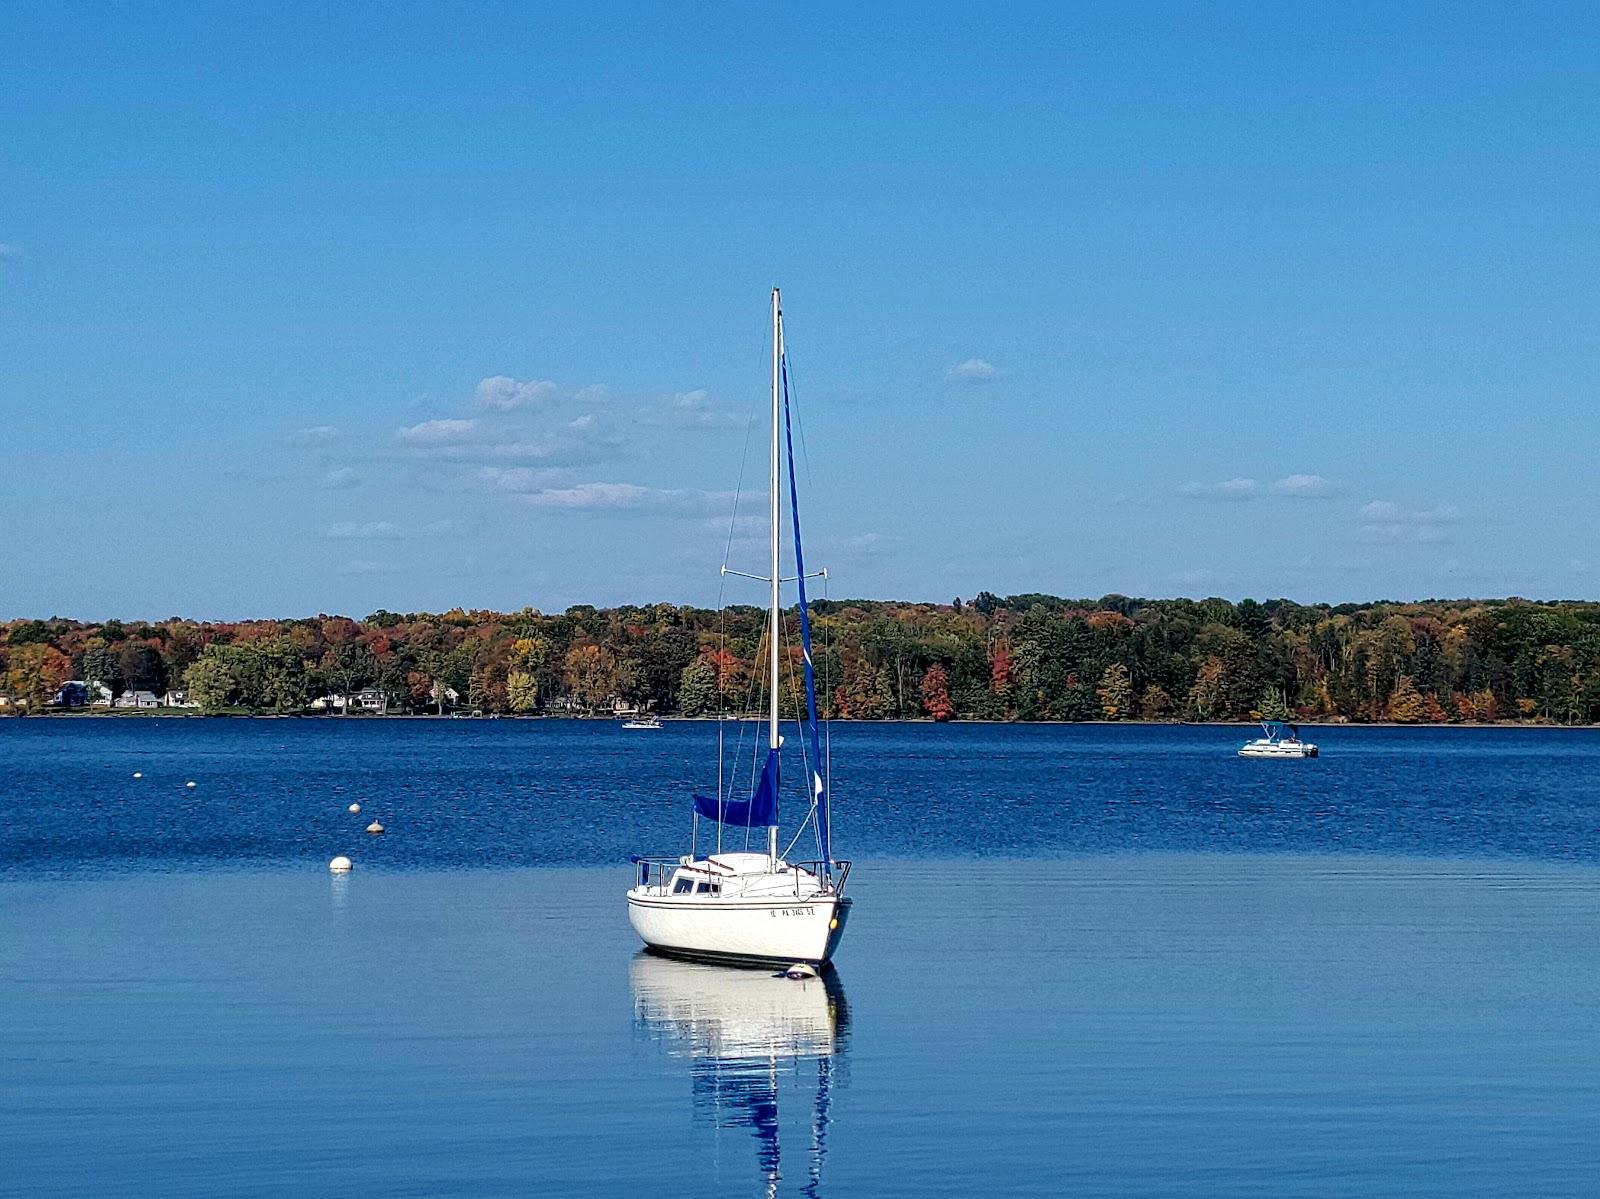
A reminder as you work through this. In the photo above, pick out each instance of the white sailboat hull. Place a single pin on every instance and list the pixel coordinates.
(777, 929)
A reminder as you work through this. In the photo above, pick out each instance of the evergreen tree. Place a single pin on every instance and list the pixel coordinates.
(1272, 706)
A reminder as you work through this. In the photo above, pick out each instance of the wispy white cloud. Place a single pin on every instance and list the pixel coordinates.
(371, 530)
(315, 435)
(868, 543)
(1387, 521)
(693, 409)
(503, 393)
(384, 530)
(521, 480)
(438, 432)
(973, 370)
(594, 393)
(617, 496)
(1228, 489)
(340, 479)
(1243, 488)
(1304, 486)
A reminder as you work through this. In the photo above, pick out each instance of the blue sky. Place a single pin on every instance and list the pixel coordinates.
(314, 310)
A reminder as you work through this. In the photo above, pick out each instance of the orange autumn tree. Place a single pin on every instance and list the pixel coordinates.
(936, 693)
(1000, 665)
(34, 673)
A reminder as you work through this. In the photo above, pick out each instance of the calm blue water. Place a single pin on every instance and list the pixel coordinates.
(1373, 973)
(533, 793)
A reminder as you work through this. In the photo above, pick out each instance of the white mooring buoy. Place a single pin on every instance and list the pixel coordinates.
(355, 808)
(374, 827)
(189, 784)
(800, 970)
(340, 865)
(138, 774)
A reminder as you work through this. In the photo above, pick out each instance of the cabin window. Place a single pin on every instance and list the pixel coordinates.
(683, 886)
(709, 889)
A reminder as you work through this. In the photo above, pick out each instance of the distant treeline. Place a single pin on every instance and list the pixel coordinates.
(1020, 657)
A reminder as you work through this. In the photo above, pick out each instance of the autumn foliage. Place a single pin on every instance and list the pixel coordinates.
(1030, 657)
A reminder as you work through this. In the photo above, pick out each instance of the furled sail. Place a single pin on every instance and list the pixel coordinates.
(819, 789)
(760, 810)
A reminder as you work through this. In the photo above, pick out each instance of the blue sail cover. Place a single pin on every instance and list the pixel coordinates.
(759, 811)
(819, 791)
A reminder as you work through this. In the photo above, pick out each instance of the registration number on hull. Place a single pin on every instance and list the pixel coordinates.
(794, 912)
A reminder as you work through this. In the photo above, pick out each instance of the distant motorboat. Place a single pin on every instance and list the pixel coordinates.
(642, 722)
(1282, 740)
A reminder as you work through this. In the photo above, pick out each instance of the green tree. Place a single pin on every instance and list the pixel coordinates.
(143, 668)
(1272, 706)
(100, 666)
(350, 667)
(867, 694)
(212, 680)
(697, 688)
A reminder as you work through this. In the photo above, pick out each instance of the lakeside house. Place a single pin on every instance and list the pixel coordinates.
(74, 693)
(370, 699)
(138, 699)
(100, 695)
(177, 698)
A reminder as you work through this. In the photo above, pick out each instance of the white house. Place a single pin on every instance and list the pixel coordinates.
(372, 700)
(100, 695)
(328, 703)
(138, 699)
(177, 699)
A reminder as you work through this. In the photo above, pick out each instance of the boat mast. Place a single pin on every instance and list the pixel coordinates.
(773, 739)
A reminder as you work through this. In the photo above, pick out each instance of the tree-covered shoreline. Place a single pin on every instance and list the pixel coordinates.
(1024, 657)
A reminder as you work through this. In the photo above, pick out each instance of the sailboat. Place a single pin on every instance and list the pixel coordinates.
(753, 907)
(765, 1055)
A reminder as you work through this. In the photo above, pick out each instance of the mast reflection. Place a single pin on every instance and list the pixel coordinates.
(752, 1038)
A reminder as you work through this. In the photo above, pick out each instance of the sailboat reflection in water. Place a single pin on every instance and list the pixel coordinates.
(752, 1039)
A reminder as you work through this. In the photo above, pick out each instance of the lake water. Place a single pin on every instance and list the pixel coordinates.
(1089, 960)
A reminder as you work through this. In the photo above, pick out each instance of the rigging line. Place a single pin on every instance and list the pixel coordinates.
(799, 418)
(744, 461)
(827, 723)
(722, 613)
